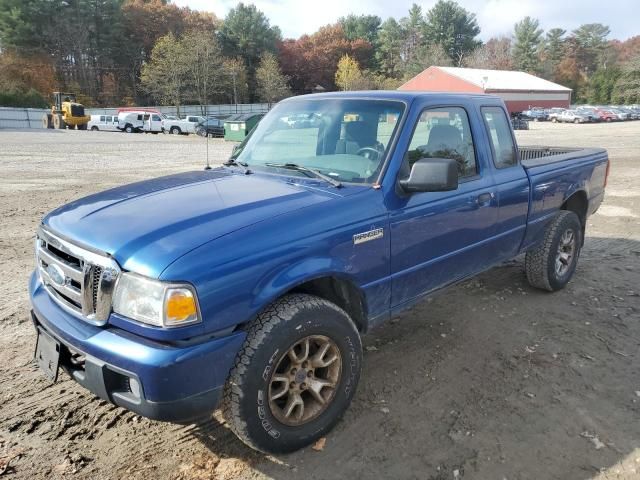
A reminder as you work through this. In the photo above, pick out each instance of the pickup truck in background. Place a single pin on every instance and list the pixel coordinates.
(248, 286)
(182, 126)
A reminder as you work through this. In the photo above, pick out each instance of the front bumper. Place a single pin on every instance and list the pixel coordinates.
(164, 381)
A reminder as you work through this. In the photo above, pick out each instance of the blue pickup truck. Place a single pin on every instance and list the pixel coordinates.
(248, 286)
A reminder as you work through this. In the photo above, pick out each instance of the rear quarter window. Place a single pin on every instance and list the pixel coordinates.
(504, 149)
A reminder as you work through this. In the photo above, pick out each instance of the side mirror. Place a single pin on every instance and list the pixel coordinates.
(432, 175)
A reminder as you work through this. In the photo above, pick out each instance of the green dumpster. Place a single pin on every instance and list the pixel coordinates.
(237, 126)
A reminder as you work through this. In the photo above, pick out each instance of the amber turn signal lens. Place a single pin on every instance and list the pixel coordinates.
(180, 306)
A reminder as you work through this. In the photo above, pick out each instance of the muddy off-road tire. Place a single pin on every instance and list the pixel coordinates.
(551, 264)
(301, 349)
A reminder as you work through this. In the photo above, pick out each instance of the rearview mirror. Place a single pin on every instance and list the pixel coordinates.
(432, 175)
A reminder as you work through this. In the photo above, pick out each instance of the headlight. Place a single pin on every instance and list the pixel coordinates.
(155, 302)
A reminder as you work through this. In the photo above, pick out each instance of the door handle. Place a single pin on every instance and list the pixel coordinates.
(484, 199)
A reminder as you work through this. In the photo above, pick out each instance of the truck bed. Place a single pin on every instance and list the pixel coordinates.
(536, 156)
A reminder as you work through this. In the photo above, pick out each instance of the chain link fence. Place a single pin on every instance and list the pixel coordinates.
(20, 118)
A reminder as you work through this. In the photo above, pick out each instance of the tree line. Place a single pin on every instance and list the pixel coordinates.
(127, 52)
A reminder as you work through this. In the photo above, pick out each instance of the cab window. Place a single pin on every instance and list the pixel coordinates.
(443, 133)
(504, 150)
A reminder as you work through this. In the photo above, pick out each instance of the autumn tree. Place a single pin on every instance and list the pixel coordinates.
(494, 55)
(425, 57)
(453, 28)
(247, 34)
(528, 35)
(204, 65)
(166, 76)
(348, 73)
(312, 59)
(235, 81)
(272, 84)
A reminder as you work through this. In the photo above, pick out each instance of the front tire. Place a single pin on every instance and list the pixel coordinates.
(295, 375)
(175, 131)
(551, 265)
(128, 129)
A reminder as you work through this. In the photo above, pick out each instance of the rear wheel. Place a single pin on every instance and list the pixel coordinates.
(94, 129)
(554, 120)
(295, 375)
(551, 264)
(576, 121)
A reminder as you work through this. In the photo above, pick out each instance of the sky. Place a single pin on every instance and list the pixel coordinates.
(495, 17)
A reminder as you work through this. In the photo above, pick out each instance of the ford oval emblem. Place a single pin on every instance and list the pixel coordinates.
(56, 274)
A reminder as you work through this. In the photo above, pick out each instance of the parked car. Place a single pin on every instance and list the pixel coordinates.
(607, 116)
(535, 114)
(185, 126)
(552, 113)
(590, 112)
(250, 285)
(140, 121)
(633, 113)
(621, 114)
(212, 127)
(572, 116)
(108, 123)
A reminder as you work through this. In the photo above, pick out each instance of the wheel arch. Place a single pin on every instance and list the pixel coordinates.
(577, 203)
(335, 287)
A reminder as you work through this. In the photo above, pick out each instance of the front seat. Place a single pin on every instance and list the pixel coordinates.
(355, 137)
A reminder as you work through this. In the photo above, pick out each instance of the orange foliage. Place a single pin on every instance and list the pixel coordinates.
(23, 73)
(313, 59)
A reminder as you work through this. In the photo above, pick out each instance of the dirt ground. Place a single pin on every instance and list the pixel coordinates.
(490, 380)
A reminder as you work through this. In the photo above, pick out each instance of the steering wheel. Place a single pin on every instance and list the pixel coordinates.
(367, 151)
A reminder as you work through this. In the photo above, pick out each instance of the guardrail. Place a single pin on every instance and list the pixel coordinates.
(11, 117)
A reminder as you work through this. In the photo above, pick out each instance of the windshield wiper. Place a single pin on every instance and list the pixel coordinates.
(300, 168)
(235, 163)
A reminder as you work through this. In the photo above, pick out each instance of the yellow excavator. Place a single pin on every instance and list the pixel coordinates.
(65, 113)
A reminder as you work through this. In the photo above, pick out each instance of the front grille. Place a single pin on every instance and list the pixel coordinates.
(77, 110)
(78, 279)
(95, 285)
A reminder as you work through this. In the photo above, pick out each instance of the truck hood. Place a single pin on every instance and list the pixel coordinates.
(145, 226)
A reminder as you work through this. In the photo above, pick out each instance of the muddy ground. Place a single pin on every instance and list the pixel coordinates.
(490, 380)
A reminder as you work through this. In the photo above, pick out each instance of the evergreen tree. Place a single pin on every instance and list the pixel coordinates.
(272, 84)
(453, 28)
(528, 35)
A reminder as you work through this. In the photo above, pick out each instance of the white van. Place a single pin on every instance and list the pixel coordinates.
(107, 123)
(140, 121)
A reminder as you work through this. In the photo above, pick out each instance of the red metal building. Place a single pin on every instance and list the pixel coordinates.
(520, 91)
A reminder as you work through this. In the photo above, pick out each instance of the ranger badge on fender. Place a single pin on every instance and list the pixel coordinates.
(367, 236)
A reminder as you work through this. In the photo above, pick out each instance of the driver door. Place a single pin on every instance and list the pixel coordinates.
(440, 237)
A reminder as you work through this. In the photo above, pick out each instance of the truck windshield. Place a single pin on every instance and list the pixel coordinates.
(345, 139)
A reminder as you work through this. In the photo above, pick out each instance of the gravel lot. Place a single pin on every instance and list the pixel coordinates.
(492, 380)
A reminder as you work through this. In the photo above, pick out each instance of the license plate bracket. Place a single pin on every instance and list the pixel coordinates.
(47, 354)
